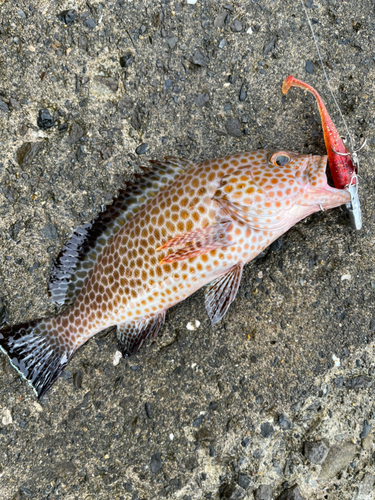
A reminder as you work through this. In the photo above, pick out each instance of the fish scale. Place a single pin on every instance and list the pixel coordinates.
(198, 226)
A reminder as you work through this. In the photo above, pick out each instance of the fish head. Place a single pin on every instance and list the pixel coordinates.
(276, 189)
(306, 180)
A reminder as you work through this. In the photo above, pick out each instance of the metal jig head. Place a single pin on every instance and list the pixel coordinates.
(353, 208)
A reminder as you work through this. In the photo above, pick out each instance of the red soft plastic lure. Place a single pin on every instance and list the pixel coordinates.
(341, 167)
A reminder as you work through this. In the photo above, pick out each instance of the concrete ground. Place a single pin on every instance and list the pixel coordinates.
(277, 400)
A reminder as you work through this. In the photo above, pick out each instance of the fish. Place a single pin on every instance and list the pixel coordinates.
(179, 227)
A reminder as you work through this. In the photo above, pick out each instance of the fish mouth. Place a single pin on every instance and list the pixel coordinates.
(322, 194)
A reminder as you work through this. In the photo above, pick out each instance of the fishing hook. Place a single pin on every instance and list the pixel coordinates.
(352, 154)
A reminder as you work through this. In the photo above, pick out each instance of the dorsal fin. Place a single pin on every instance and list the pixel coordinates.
(79, 254)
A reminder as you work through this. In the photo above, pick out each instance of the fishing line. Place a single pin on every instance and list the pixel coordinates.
(325, 74)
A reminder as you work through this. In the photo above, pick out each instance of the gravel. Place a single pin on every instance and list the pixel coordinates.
(339, 457)
(284, 423)
(292, 493)
(118, 76)
(236, 26)
(365, 429)
(266, 430)
(220, 19)
(4, 106)
(309, 67)
(200, 58)
(233, 127)
(244, 481)
(315, 452)
(201, 100)
(142, 148)
(126, 60)
(243, 93)
(264, 492)
(156, 463)
(45, 120)
(67, 16)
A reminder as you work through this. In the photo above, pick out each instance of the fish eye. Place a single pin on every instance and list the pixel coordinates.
(280, 159)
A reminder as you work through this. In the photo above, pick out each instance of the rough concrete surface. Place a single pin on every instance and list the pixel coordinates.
(222, 412)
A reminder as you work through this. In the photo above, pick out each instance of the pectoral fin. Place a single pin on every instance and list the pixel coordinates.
(221, 292)
(197, 242)
(130, 336)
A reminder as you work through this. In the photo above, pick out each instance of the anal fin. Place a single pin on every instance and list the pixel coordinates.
(221, 292)
(131, 336)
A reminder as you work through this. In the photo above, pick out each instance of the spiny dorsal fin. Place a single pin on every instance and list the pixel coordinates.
(79, 254)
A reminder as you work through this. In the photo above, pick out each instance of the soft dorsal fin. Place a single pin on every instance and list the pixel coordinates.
(80, 252)
(131, 336)
(221, 292)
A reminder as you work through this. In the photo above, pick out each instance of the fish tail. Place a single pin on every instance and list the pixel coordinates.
(37, 351)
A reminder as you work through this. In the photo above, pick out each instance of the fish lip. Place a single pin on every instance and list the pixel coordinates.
(343, 194)
(320, 161)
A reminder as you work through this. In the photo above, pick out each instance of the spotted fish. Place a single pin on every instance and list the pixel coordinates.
(179, 227)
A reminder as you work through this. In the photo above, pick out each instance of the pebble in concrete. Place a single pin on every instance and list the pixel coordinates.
(156, 463)
(292, 493)
(315, 452)
(339, 456)
(264, 492)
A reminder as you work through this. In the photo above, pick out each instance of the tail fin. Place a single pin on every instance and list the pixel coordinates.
(37, 352)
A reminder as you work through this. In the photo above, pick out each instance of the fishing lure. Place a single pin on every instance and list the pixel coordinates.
(181, 226)
(342, 164)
